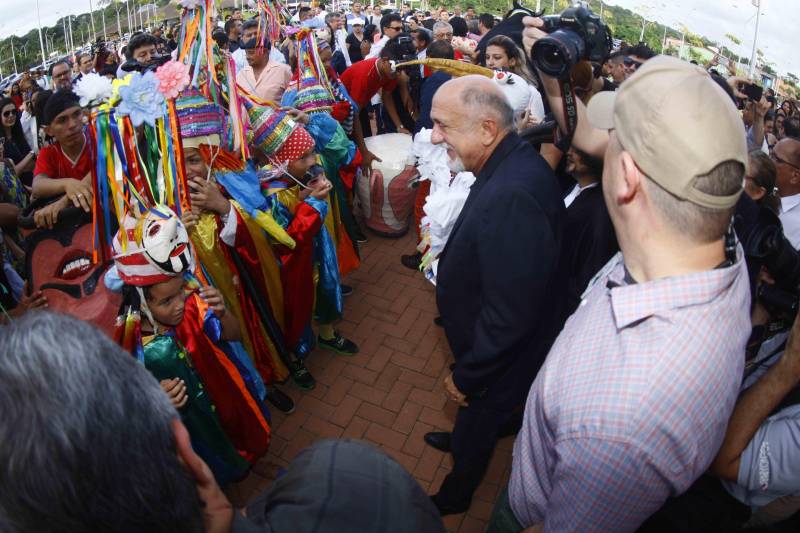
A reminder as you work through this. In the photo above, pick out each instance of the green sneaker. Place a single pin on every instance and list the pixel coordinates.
(301, 376)
(338, 344)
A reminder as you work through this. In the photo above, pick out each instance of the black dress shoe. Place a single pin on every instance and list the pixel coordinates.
(280, 400)
(448, 509)
(411, 261)
(439, 440)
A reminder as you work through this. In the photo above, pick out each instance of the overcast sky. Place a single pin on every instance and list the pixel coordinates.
(777, 33)
(712, 18)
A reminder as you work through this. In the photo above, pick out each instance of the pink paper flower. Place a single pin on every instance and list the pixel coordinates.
(172, 76)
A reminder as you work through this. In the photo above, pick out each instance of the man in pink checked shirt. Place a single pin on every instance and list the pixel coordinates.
(634, 397)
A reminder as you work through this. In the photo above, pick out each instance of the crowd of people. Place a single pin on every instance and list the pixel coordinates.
(616, 275)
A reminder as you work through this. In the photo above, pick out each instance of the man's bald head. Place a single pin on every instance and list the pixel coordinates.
(786, 155)
(470, 117)
(479, 98)
(788, 149)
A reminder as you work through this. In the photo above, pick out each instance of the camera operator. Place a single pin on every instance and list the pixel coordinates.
(634, 397)
(140, 54)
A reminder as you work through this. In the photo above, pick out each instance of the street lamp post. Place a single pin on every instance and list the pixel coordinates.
(91, 18)
(756, 3)
(13, 55)
(41, 42)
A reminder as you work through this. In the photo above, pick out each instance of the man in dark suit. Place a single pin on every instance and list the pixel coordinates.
(589, 238)
(499, 286)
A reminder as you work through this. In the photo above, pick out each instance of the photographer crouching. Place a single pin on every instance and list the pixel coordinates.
(634, 397)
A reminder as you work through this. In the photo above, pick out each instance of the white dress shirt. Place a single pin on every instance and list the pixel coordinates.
(790, 218)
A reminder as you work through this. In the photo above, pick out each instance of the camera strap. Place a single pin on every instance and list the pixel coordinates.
(563, 139)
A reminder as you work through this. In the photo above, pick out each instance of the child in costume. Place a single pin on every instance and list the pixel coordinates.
(180, 334)
(297, 200)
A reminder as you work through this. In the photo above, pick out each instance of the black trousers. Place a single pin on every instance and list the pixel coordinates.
(475, 435)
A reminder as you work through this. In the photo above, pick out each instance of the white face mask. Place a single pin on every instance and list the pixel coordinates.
(166, 243)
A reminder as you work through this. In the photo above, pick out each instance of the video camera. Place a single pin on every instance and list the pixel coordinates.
(575, 34)
(132, 65)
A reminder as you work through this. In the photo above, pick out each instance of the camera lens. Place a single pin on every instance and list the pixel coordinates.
(555, 54)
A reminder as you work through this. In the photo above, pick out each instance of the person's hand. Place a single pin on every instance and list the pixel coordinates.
(367, 159)
(79, 193)
(453, 393)
(320, 188)
(296, 114)
(36, 300)
(762, 107)
(531, 32)
(190, 219)
(47, 216)
(207, 196)
(214, 300)
(735, 83)
(176, 390)
(403, 129)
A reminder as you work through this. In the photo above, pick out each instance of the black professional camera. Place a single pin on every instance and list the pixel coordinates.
(575, 34)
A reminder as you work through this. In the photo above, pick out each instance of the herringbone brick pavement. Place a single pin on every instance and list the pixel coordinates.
(391, 393)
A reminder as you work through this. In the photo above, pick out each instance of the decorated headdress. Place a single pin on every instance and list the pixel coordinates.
(276, 133)
(201, 121)
(311, 91)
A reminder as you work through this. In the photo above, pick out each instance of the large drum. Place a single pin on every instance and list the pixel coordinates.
(386, 195)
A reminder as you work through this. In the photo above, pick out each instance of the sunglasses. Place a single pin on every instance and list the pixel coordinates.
(632, 62)
(9, 113)
(395, 28)
(781, 161)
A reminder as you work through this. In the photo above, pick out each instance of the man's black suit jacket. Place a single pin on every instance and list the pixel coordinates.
(589, 242)
(499, 284)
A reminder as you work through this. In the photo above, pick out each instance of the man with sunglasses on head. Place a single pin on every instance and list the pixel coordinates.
(786, 156)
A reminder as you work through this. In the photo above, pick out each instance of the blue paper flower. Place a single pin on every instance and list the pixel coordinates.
(141, 99)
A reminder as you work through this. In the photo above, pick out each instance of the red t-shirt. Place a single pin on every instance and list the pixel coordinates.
(363, 81)
(53, 163)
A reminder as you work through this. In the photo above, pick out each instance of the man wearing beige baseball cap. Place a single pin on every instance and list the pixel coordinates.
(634, 397)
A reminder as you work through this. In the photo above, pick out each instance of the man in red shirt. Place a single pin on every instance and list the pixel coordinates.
(367, 78)
(64, 167)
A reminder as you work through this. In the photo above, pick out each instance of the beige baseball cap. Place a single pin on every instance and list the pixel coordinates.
(677, 124)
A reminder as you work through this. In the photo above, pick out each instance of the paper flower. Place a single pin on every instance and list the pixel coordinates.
(172, 76)
(191, 4)
(93, 90)
(140, 99)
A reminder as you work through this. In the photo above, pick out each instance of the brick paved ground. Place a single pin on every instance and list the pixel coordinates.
(389, 394)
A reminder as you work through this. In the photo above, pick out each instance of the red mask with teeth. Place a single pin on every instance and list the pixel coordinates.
(59, 263)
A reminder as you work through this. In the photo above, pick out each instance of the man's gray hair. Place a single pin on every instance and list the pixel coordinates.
(88, 443)
(481, 102)
(442, 25)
